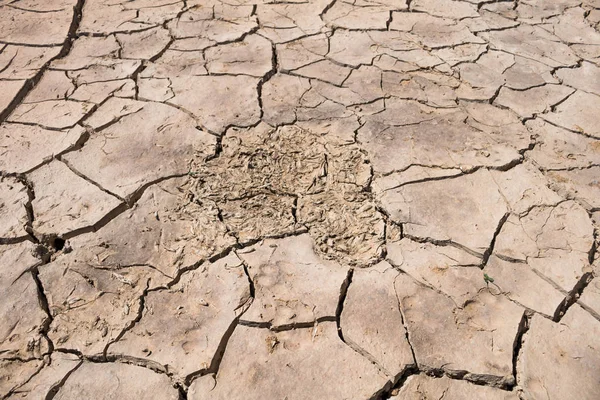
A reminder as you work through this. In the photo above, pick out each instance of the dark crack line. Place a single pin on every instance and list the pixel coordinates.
(286, 327)
(266, 78)
(87, 179)
(572, 296)
(488, 252)
(326, 9)
(340, 306)
(348, 342)
(438, 242)
(44, 305)
(217, 357)
(54, 389)
(519, 339)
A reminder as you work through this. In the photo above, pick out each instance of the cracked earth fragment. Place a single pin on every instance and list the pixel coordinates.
(424, 387)
(43, 384)
(370, 299)
(23, 319)
(31, 26)
(486, 322)
(590, 299)
(563, 347)
(70, 205)
(166, 229)
(199, 309)
(285, 364)
(575, 114)
(142, 248)
(91, 306)
(25, 147)
(562, 149)
(282, 272)
(347, 15)
(116, 380)
(62, 114)
(448, 269)
(555, 241)
(286, 21)
(431, 210)
(426, 136)
(139, 148)
(14, 199)
(16, 373)
(205, 95)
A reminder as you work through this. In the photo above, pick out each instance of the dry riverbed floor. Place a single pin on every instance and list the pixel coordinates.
(300, 199)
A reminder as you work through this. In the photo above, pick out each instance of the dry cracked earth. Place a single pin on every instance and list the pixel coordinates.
(301, 199)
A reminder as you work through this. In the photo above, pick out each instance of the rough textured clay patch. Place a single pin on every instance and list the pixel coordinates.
(324, 185)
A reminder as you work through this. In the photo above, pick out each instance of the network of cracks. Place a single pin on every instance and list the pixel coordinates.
(301, 199)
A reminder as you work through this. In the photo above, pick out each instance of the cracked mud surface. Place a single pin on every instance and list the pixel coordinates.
(304, 199)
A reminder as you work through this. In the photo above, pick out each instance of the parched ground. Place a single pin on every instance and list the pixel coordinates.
(299, 199)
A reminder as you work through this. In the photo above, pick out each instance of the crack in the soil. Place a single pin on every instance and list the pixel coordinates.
(340, 306)
(518, 343)
(572, 297)
(54, 389)
(44, 305)
(489, 251)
